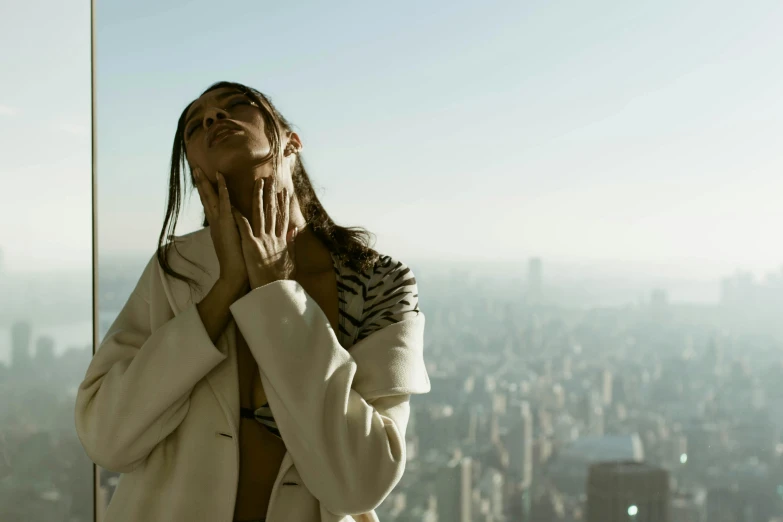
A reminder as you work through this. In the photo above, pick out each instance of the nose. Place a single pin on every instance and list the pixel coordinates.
(212, 115)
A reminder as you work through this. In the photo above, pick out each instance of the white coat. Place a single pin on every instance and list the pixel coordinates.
(160, 402)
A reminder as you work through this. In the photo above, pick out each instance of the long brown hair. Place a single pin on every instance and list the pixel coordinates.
(350, 245)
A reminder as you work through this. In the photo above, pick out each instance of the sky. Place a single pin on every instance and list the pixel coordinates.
(635, 136)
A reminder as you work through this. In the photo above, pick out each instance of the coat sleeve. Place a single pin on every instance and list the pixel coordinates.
(341, 415)
(136, 390)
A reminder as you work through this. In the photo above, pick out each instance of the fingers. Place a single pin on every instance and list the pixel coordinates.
(270, 209)
(206, 194)
(225, 204)
(291, 235)
(245, 230)
(269, 206)
(207, 209)
(284, 205)
(257, 209)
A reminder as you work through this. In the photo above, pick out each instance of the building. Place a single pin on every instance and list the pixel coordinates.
(454, 490)
(569, 470)
(688, 506)
(627, 491)
(519, 442)
(21, 338)
(605, 386)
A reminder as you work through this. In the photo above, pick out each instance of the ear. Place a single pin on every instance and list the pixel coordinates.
(295, 141)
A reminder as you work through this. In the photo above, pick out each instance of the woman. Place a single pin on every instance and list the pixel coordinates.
(273, 382)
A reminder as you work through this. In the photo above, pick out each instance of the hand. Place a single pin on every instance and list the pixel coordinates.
(223, 229)
(268, 246)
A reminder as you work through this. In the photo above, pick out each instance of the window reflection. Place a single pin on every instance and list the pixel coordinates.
(45, 259)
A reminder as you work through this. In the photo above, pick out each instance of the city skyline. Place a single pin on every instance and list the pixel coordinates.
(525, 401)
(747, 302)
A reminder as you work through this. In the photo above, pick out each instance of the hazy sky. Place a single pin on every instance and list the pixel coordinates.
(630, 132)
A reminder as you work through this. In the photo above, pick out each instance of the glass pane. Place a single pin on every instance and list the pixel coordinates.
(45, 259)
(587, 194)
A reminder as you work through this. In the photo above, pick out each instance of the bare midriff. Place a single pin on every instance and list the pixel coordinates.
(260, 451)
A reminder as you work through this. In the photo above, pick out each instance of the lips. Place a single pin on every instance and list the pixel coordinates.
(220, 130)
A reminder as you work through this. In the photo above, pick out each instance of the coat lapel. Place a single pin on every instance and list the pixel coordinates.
(198, 248)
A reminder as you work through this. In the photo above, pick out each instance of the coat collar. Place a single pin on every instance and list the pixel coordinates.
(187, 254)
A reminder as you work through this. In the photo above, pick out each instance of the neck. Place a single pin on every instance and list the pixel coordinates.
(312, 256)
(240, 192)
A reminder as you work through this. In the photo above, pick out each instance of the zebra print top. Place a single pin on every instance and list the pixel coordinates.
(368, 301)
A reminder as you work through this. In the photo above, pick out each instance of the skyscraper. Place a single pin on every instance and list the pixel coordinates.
(519, 442)
(591, 413)
(627, 492)
(21, 333)
(605, 386)
(454, 490)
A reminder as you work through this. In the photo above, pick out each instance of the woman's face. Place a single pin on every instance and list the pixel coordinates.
(224, 131)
